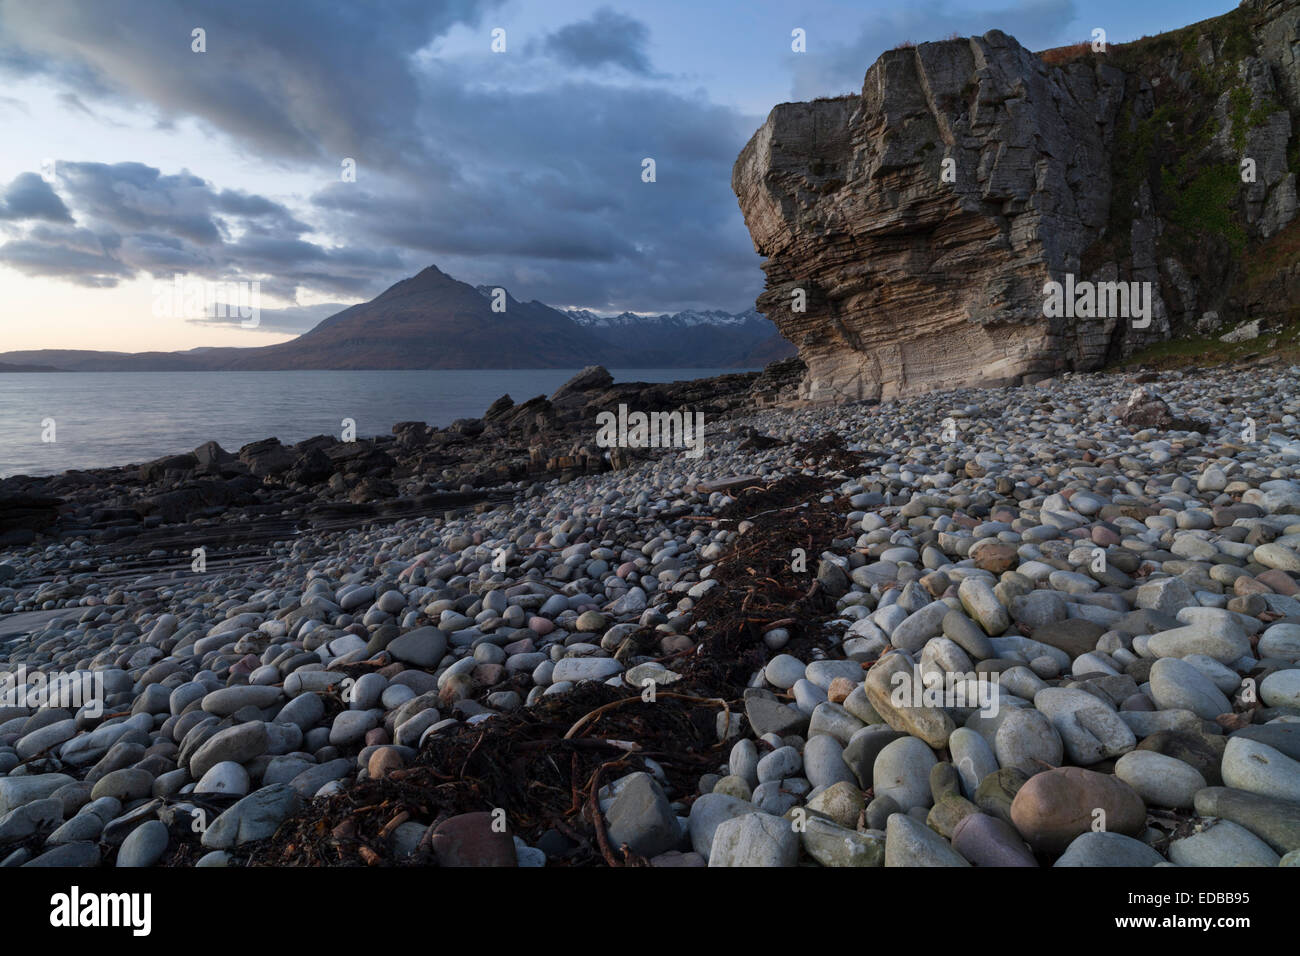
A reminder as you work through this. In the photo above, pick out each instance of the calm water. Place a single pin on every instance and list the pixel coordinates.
(111, 418)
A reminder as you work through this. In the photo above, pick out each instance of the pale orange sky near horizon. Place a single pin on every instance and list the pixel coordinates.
(115, 320)
(45, 312)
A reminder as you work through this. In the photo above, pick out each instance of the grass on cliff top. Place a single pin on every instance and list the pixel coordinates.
(1204, 351)
(1150, 49)
(1061, 55)
(1233, 27)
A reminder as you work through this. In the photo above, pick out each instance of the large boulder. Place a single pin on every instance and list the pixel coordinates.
(1056, 806)
(266, 457)
(591, 378)
(975, 213)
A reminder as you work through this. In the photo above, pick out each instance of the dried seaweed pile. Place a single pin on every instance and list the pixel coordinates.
(544, 765)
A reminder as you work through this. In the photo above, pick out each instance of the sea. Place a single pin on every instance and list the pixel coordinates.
(52, 422)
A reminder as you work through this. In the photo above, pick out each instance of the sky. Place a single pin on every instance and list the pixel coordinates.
(316, 152)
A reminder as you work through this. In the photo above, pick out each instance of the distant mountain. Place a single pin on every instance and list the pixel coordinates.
(6, 367)
(774, 348)
(692, 338)
(432, 320)
(85, 360)
(679, 320)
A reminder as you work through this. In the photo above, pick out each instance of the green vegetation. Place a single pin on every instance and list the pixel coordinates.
(1198, 195)
(1246, 117)
(1200, 201)
(1238, 42)
(1262, 267)
(1201, 351)
(1204, 205)
(1239, 99)
(1135, 154)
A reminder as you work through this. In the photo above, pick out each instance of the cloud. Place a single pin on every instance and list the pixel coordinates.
(136, 196)
(73, 102)
(608, 38)
(30, 197)
(296, 78)
(75, 255)
(829, 68)
(520, 169)
(568, 225)
(133, 219)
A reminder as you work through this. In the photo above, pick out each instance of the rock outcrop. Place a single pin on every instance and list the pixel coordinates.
(911, 231)
(270, 488)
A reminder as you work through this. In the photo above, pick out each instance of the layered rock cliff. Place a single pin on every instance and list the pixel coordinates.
(919, 222)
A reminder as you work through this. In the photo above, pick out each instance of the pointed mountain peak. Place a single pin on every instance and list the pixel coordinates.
(432, 273)
(425, 280)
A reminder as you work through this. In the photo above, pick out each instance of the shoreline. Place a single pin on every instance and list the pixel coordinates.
(415, 468)
(164, 413)
(954, 532)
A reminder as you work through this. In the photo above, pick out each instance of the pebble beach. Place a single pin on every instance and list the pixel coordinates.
(1098, 578)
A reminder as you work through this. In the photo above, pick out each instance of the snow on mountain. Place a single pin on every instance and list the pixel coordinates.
(687, 319)
(698, 338)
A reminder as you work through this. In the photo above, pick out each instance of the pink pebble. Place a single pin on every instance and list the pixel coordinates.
(1102, 535)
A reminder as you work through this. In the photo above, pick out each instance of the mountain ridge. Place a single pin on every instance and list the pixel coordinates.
(432, 320)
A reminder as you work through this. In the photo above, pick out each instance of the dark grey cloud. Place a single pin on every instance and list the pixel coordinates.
(831, 67)
(499, 168)
(30, 197)
(296, 78)
(75, 255)
(575, 225)
(133, 219)
(134, 196)
(607, 39)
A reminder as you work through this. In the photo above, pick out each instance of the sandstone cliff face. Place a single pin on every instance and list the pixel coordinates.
(1108, 167)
